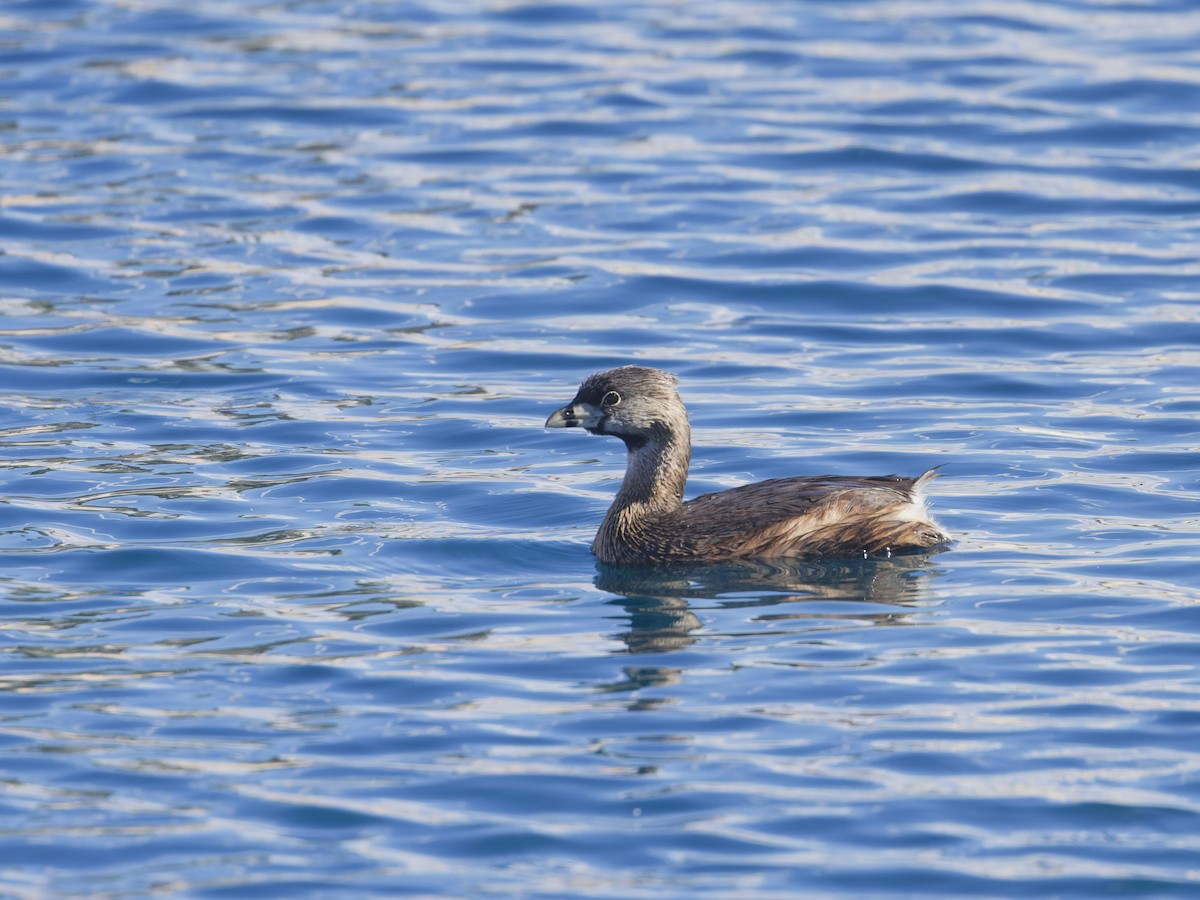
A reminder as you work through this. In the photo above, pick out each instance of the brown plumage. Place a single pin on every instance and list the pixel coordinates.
(648, 522)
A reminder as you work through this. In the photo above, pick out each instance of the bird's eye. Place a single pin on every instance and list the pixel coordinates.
(612, 398)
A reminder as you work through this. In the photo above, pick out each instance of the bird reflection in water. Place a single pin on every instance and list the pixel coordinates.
(658, 600)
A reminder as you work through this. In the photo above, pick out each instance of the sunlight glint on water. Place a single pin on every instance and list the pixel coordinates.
(297, 597)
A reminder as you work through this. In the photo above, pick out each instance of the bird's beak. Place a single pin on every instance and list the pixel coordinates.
(575, 415)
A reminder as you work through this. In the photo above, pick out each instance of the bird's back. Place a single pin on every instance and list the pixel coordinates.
(824, 515)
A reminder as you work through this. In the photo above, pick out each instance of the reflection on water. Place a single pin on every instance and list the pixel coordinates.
(659, 600)
(296, 594)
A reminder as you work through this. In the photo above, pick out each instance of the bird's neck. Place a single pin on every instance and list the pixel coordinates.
(656, 470)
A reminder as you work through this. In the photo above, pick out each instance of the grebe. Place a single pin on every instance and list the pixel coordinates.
(648, 522)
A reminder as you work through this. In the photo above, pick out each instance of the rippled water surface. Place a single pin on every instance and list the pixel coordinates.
(296, 590)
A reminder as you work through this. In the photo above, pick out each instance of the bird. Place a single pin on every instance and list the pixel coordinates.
(649, 524)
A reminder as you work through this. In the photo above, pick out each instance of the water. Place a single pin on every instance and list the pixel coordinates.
(297, 597)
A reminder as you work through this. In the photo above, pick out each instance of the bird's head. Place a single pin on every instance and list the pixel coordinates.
(635, 403)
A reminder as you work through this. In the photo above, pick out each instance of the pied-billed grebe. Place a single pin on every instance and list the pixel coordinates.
(648, 522)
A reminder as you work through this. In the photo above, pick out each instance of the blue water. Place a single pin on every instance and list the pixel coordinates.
(296, 591)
